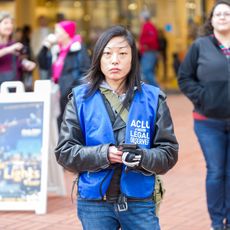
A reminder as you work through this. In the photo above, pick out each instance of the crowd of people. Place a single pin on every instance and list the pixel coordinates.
(116, 150)
(152, 45)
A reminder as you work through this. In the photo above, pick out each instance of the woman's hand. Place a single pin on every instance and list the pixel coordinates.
(15, 48)
(12, 49)
(50, 40)
(115, 155)
(28, 65)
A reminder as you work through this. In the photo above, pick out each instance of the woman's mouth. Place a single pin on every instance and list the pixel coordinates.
(114, 70)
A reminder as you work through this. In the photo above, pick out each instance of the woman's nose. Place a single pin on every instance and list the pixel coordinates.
(114, 58)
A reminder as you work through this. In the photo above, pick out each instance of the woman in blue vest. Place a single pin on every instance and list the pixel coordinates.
(116, 133)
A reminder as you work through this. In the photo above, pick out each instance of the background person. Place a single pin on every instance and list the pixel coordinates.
(148, 45)
(26, 41)
(114, 147)
(163, 44)
(37, 38)
(27, 53)
(204, 77)
(39, 34)
(12, 63)
(66, 59)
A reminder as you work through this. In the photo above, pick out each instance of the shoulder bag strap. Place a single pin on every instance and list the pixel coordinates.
(115, 103)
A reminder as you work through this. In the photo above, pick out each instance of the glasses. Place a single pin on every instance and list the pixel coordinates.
(220, 14)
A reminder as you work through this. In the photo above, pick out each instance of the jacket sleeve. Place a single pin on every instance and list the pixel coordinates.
(187, 76)
(82, 66)
(164, 154)
(84, 60)
(44, 58)
(71, 151)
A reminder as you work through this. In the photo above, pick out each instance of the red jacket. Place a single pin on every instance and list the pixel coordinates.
(148, 40)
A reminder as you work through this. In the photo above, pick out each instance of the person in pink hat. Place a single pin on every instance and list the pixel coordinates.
(65, 58)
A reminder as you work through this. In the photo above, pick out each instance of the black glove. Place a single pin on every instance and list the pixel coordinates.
(132, 155)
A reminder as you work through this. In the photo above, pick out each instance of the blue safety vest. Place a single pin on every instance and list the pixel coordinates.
(97, 129)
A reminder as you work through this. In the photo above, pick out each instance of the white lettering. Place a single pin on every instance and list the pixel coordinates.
(31, 132)
(139, 134)
(139, 141)
(147, 125)
(140, 124)
(133, 124)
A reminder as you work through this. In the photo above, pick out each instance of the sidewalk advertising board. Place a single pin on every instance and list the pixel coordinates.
(24, 146)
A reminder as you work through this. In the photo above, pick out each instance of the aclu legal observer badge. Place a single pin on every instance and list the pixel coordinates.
(140, 132)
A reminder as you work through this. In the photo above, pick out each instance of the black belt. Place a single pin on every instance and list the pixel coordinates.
(122, 204)
(115, 199)
(121, 201)
(129, 199)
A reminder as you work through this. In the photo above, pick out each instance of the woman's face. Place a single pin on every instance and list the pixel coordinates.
(6, 27)
(116, 60)
(61, 35)
(221, 19)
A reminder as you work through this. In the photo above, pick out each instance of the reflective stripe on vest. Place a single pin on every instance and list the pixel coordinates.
(97, 129)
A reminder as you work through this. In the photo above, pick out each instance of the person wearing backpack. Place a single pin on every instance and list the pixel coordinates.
(116, 134)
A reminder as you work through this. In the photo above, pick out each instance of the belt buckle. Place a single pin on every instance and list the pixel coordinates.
(122, 204)
(122, 207)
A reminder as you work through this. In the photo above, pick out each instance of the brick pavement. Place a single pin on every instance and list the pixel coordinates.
(183, 207)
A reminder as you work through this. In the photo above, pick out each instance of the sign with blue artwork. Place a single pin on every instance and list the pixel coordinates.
(20, 150)
(24, 138)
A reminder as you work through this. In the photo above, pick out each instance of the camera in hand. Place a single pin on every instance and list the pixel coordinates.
(23, 50)
(127, 146)
(132, 155)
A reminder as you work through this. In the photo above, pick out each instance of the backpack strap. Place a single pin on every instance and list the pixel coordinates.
(115, 103)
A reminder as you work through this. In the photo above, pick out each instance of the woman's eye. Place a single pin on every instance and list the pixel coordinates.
(106, 53)
(123, 53)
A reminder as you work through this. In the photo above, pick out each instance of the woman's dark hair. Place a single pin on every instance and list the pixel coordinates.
(95, 75)
(207, 29)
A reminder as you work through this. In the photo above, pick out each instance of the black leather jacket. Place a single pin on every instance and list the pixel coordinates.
(74, 156)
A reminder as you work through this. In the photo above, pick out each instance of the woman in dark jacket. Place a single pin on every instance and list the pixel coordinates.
(113, 145)
(204, 77)
(65, 59)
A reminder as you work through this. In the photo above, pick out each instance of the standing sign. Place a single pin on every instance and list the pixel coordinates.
(24, 146)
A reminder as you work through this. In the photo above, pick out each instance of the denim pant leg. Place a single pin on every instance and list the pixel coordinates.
(97, 215)
(148, 63)
(227, 176)
(213, 141)
(44, 74)
(140, 215)
(104, 216)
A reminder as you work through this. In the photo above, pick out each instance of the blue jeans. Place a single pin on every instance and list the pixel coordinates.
(148, 64)
(100, 215)
(44, 74)
(214, 138)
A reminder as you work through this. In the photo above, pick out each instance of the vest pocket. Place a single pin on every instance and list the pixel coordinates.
(93, 185)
